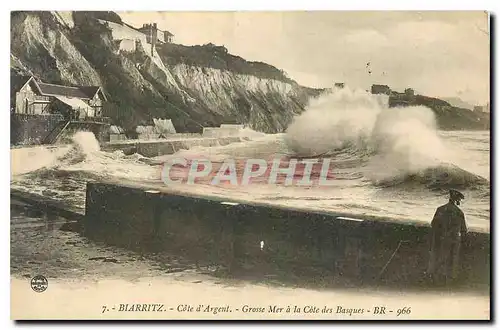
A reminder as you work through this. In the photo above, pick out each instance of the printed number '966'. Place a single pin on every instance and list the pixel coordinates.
(404, 311)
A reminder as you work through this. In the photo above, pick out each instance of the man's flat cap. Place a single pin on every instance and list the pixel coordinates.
(456, 195)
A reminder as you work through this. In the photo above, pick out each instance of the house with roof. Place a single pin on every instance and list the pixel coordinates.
(30, 96)
(43, 113)
(380, 89)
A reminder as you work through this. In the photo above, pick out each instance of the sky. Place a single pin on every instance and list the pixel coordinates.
(441, 54)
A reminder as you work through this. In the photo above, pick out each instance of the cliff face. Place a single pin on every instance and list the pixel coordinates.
(194, 86)
(40, 45)
(267, 105)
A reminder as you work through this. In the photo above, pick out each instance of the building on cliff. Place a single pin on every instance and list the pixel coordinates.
(41, 112)
(128, 38)
(410, 92)
(482, 108)
(154, 35)
(380, 89)
(395, 98)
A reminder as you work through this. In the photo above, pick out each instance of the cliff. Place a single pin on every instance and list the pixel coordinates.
(194, 86)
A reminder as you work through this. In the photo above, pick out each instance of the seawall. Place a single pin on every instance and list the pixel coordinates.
(48, 205)
(27, 129)
(231, 233)
(223, 130)
(153, 148)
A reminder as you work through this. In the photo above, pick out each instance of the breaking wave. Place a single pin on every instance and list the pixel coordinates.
(439, 177)
(394, 146)
(83, 160)
(374, 171)
(368, 144)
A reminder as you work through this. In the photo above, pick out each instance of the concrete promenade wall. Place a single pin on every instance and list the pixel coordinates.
(229, 234)
(221, 131)
(233, 126)
(184, 135)
(166, 146)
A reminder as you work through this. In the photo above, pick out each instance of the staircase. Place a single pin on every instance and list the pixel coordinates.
(52, 137)
(64, 131)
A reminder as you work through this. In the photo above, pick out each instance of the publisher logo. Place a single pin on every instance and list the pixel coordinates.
(39, 283)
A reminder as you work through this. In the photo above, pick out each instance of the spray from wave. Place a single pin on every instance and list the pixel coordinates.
(83, 159)
(394, 145)
(84, 147)
(333, 122)
(86, 143)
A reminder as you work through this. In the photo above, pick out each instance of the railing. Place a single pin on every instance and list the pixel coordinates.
(104, 120)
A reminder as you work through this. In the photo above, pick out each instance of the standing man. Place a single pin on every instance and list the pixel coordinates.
(448, 230)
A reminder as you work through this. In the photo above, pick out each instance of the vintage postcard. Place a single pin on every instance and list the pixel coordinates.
(284, 165)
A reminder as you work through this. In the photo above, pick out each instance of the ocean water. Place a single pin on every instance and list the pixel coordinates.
(389, 162)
